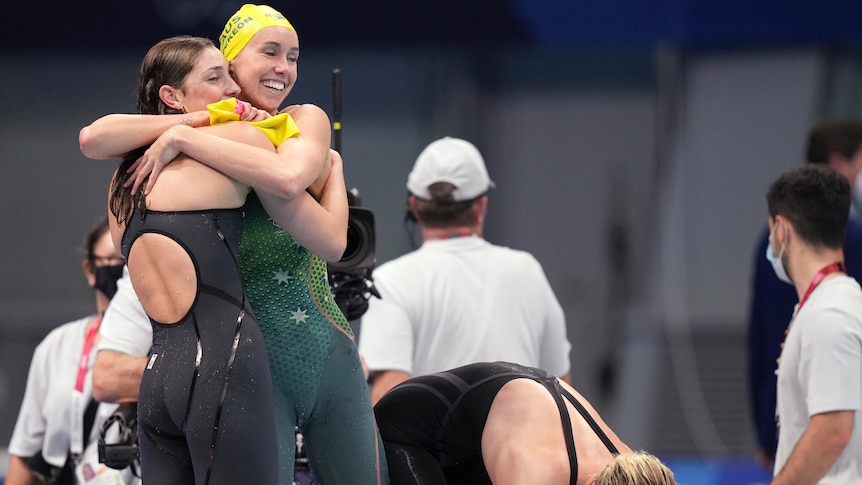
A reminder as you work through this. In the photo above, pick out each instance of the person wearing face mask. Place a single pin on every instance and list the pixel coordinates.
(836, 143)
(107, 277)
(58, 422)
(820, 367)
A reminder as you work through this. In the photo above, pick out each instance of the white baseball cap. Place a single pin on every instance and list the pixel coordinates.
(451, 160)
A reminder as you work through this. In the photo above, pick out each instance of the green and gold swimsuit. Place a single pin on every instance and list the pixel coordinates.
(317, 375)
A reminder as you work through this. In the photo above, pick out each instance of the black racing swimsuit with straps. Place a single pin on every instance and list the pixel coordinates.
(205, 406)
(432, 425)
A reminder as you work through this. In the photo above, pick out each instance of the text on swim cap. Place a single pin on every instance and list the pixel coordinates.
(233, 27)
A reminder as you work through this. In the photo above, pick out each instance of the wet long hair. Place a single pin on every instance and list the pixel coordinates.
(167, 63)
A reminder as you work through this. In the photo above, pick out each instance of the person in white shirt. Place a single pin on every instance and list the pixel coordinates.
(458, 299)
(58, 423)
(820, 369)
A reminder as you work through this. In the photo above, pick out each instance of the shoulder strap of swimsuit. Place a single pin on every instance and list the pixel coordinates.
(567, 434)
(589, 419)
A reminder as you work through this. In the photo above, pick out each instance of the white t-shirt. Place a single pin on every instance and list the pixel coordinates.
(463, 300)
(45, 418)
(821, 371)
(125, 325)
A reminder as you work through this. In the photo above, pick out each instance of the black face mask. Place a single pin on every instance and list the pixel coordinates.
(106, 279)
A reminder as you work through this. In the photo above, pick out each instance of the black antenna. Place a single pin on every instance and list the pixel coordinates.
(336, 109)
(350, 277)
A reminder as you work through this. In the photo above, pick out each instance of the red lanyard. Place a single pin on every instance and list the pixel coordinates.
(832, 268)
(84, 362)
(77, 408)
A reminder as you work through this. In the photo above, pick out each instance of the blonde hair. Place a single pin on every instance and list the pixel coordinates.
(638, 468)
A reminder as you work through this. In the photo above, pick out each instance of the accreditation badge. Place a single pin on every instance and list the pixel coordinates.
(90, 472)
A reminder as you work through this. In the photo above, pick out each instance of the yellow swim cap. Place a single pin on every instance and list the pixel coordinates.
(246, 22)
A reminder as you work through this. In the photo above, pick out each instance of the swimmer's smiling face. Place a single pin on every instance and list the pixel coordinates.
(266, 68)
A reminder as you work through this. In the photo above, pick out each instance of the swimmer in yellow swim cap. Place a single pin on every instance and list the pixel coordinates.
(229, 435)
(263, 49)
(318, 378)
(246, 22)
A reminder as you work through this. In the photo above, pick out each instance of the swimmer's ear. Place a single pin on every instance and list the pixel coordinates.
(172, 97)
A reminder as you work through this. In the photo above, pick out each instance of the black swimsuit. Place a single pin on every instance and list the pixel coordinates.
(432, 425)
(205, 406)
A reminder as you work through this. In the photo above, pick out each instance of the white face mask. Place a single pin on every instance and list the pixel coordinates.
(777, 264)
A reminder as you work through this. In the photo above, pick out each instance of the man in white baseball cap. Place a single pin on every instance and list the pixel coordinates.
(458, 299)
(451, 160)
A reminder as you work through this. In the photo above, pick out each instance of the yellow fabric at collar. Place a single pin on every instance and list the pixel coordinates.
(277, 128)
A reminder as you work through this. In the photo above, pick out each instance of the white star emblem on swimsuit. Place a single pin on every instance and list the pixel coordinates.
(281, 276)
